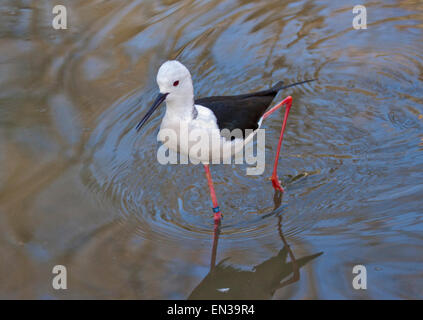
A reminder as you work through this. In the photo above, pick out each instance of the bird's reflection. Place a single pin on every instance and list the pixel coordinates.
(227, 282)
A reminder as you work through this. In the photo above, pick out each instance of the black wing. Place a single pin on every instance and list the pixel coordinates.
(242, 111)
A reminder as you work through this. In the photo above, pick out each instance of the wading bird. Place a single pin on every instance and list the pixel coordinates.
(211, 116)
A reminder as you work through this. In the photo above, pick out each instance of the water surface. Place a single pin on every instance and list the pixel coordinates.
(79, 187)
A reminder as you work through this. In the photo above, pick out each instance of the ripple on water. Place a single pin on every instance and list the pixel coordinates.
(172, 201)
(334, 157)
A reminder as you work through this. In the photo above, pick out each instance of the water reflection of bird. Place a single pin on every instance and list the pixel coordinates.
(227, 282)
(240, 115)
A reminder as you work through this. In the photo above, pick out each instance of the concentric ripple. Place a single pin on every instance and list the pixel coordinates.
(335, 147)
(172, 201)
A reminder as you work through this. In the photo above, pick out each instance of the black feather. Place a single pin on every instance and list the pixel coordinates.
(242, 111)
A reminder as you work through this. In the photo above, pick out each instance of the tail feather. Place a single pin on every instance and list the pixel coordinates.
(280, 85)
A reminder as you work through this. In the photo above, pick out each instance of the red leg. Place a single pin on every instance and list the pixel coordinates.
(216, 210)
(288, 101)
(215, 242)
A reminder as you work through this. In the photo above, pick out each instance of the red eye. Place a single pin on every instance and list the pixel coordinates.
(176, 83)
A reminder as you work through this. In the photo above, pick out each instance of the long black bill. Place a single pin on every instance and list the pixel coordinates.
(160, 98)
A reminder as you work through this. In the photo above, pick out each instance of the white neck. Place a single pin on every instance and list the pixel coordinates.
(180, 106)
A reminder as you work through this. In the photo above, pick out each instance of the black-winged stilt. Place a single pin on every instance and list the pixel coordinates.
(212, 114)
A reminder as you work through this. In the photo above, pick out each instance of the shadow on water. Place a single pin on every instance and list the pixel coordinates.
(228, 282)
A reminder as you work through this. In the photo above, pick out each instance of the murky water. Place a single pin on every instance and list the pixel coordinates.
(79, 187)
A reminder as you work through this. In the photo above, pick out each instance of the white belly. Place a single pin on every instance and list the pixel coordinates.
(199, 139)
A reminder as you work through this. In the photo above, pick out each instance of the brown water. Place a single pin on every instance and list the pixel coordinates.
(79, 187)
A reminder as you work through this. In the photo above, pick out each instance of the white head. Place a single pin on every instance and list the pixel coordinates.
(174, 79)
(176, 89)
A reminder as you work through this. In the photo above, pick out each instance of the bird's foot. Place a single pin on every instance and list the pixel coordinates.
(276, 183)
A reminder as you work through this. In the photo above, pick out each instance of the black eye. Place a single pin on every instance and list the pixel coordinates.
(176, 83)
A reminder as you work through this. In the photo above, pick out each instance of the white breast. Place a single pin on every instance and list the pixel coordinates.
(199, 138)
